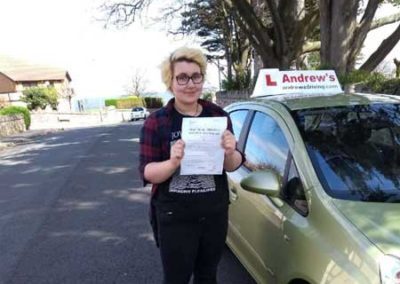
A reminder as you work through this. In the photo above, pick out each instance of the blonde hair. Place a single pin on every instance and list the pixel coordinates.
(182, 54)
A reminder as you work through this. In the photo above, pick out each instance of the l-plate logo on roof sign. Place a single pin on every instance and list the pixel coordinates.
(275, 82)
(269, 81)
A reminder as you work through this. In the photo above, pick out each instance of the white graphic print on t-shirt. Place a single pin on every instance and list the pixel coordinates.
(192, 184)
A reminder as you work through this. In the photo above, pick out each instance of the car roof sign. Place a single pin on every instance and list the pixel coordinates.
(275, 82)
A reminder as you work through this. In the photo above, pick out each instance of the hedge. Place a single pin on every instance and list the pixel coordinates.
(18, 110)
(125, 103)
(153, 102)
(110, 102)
(379, 84)
(372, 82)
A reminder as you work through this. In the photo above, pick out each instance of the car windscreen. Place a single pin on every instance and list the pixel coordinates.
(355, 150)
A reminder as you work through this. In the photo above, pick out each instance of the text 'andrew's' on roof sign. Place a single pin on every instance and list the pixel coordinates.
(275, 82)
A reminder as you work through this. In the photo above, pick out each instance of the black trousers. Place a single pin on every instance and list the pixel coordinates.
(191, 246)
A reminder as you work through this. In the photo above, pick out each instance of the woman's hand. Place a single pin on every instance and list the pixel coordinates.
(158, 172)
(228, 143)
(233, 158)
(177, 152)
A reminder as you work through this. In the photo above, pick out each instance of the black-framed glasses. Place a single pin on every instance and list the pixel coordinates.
(183, 79)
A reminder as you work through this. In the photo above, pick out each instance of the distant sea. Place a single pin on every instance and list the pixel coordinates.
(95, 103)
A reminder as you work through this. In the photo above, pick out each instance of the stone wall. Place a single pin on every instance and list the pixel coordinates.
(224, 98)
(11, 124)
(56, 120)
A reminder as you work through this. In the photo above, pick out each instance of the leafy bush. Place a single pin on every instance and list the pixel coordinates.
(353, 77)
(372, 82)
(238, 82)
(207, 96)
(110, 102)
(378, 83)
(38, 97)
(153, 102)
(18, 110)
(52, 97)
(125, 103)
(3, 103)
(129, 102)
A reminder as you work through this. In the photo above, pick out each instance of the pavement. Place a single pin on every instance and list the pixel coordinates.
(23, 137)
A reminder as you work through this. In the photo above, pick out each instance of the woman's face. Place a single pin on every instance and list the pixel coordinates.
(190, 92)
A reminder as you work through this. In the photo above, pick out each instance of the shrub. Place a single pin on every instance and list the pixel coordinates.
(379, 84)
(52, 97)
(18, 110)
(110, 102)
(37, 97)
(153, 102)
(238, 82)
(129, 102)
(125, 103)
(3, 103)
(353, 77)
(391, 86)
(372, 82)
(207, 96)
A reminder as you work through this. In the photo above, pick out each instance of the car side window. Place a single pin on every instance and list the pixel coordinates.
(293, 192)
(266, 146)
(238, 117)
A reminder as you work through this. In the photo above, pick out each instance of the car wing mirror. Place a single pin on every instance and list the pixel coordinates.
(262, 182)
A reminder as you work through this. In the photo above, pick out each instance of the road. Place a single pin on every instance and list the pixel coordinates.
(73, 210)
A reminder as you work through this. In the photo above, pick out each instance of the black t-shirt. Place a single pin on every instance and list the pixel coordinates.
(191, 195)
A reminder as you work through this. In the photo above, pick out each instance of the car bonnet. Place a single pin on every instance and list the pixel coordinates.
(379, 222)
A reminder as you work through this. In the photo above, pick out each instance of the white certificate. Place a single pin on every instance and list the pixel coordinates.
(204, 154)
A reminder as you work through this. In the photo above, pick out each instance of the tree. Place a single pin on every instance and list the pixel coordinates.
(397, 63)
(277, 31)
(138, 83)
(343, 35)
(37, 97)
(214, 24)
(282, 31)
(294, 23)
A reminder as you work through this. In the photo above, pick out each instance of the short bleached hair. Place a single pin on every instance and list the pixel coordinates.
(182, 54)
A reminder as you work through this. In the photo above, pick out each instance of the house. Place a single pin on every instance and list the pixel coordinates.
(17, 75)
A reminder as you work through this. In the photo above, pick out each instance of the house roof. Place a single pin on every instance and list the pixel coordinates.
(22, 71)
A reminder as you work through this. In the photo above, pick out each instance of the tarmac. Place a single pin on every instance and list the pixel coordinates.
(23, 137)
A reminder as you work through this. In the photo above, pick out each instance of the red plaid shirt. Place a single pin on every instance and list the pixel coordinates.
(155, 134)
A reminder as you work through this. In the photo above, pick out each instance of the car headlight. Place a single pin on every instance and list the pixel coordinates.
(390, 270)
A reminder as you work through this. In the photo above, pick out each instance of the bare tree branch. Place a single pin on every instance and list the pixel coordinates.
(311, 46)
(258, 36)
(281, 39)
(380, 53)
(138, 83)
(385, 21)
(122, 14)
(362, 30)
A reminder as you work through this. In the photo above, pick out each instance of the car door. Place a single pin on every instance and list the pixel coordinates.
(256, 221)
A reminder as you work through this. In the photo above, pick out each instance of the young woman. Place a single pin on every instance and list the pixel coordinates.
(190, 228)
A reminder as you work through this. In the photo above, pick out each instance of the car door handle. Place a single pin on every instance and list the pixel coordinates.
(233, 194)
(286, 238)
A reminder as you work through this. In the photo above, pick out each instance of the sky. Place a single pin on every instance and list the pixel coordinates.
(66, 34)
(101, 62)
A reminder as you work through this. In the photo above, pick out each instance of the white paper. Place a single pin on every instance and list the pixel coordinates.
(204, 154)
